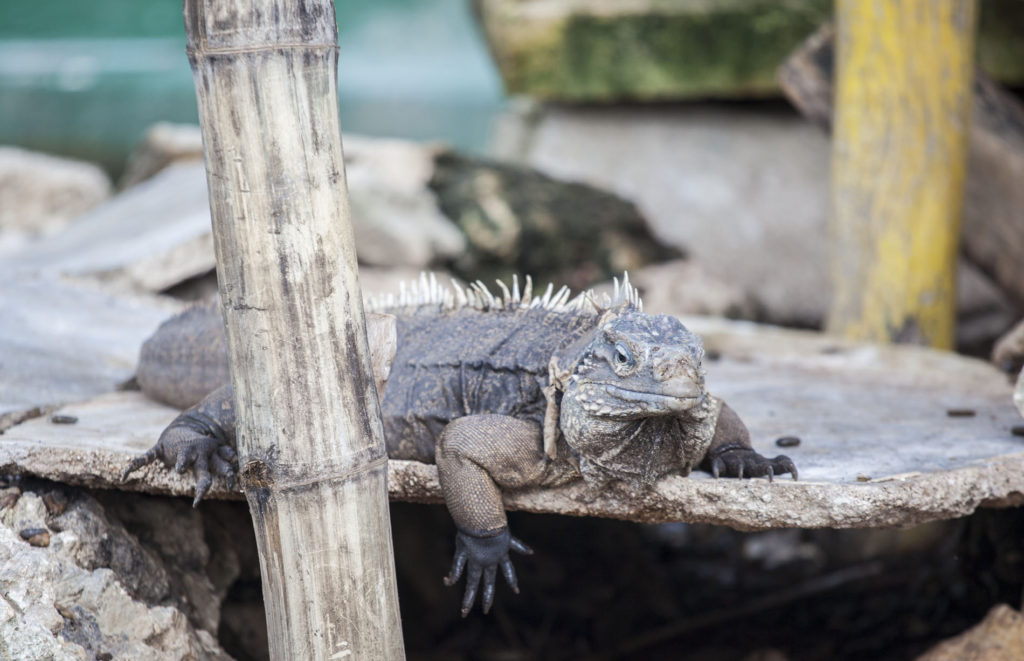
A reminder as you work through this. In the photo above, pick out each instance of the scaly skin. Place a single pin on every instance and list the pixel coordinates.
(503, 394)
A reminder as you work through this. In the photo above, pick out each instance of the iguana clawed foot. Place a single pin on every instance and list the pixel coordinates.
(481, 557)
(185, 443)
(744, 462)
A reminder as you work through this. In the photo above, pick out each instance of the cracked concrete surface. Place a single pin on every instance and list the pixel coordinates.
(889, 436)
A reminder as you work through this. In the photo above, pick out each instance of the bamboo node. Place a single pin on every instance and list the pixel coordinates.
(255, 475)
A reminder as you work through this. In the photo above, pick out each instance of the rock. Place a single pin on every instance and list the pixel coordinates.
(157, 234)
(36, 536)
(999, 637)
(163, 144)
(70, 600)
(198, 572)
(575, 50)
(145, 239)
(580, 50)
(40, 194)
(744, 194)
(1000, 47)
(395, 216)
(682, 287)
(8, 497)
(517, 220)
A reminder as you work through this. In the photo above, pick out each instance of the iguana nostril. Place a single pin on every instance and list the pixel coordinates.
(673, 367)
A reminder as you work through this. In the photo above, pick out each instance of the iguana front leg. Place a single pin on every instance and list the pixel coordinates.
(477, 457)
(202, 437)
(730, 453)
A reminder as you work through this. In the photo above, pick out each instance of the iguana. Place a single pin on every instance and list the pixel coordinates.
(503, 393)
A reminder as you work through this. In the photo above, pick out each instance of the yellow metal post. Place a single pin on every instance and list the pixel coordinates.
(903, 96)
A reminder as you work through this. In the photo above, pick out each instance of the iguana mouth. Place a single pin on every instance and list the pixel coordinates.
(606, 399)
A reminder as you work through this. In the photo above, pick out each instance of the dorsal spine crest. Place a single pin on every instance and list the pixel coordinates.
(427, 292)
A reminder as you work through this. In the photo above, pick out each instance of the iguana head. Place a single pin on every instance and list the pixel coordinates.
(634, 385)
(638, 366)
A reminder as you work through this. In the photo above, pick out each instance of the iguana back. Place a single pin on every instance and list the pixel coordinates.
(448, 363)
(453, 363)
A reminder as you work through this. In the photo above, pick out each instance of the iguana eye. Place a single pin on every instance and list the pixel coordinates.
(622, 355)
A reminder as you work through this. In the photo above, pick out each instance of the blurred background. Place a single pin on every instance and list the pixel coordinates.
(88, 79)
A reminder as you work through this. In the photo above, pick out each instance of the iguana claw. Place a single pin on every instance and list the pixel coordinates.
(480, 557)
(185, 444)
(740, 462)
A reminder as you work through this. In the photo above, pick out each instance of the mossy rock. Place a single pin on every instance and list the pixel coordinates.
(517, 220)
(653, 50)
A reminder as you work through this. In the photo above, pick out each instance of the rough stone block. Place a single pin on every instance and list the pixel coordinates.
(642, 50)
(578, 50)
(39, 193)
(96, 592)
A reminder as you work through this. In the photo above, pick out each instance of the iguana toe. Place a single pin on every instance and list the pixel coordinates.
(472, 583)
(490, 573)
(509, 572)
(138, 462)
(458, 565)
(786, 465)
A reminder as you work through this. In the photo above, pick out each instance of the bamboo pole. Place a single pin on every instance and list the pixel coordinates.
(310, 439)
(899, 154)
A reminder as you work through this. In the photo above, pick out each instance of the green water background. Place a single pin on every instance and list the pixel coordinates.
(86, 78)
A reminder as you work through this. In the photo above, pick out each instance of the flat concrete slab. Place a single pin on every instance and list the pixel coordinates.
(64, 342)
(889, 436)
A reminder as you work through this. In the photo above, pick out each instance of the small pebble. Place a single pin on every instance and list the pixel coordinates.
(863, 478)
(960, 413)
(36, 536)
(788, 441)
(63, 419)
(1017, 430)
(56, 502)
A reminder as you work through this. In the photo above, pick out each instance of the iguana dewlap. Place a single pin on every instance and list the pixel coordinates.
(502, 393)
